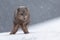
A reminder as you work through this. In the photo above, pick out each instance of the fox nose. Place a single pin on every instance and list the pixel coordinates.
(24, 18)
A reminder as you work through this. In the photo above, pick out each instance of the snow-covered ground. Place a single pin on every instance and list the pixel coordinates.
(48, 30)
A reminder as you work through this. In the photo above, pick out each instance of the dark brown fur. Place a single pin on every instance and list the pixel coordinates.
(21, 19)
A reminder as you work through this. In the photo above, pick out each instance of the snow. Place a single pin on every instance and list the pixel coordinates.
(48, 30)
(21, 6)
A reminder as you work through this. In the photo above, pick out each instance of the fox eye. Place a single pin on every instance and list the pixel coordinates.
(22, 14)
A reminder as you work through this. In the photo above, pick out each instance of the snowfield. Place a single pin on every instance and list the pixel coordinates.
(48, 30)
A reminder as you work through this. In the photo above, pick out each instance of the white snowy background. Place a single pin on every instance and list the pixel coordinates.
(48, 30)
(45, 19)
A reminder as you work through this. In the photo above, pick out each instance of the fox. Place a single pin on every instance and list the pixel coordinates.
(21, 19)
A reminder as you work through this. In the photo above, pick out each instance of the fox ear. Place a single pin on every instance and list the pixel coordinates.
(26, 8)
(18, 9)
